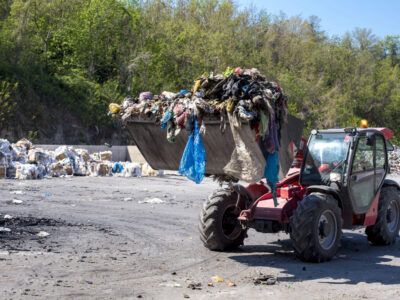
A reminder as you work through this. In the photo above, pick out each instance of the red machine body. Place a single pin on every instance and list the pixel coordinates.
(290, 192)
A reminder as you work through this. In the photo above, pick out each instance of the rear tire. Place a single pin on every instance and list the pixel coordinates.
(387, 225)
(316, 228)
(219, 228)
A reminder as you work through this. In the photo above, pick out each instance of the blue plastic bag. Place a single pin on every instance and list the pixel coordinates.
(271, 174)
(193, 162)
(167, 116)
(272, 169)
(117, 168)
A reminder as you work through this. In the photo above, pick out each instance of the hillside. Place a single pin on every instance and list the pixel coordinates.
(63, 62)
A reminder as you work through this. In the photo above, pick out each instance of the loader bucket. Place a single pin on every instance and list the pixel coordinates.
(152, 142)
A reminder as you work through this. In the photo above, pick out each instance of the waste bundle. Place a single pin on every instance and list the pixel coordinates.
(23, 161)
(238, 96)
(394, 160)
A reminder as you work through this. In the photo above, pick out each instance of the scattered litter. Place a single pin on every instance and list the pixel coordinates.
(16, 201)
(173, 273)
(4, 229)
(170, 284)
(186, 296)
(230, 283)
(265, 279)
(43, 234)
(128, 199)
(216, 278)
(48, 195)
(17, 192)
(194, 286)
(210, 284)
(152, 201)
(8, 217)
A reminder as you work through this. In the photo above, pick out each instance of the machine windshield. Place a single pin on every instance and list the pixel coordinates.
(325, 158)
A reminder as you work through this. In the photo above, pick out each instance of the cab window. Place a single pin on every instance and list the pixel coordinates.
(363, 158)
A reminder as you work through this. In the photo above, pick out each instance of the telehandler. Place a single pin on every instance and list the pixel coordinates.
(337, 181)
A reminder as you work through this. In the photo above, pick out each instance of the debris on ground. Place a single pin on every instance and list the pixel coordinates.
(194, 286)
(216, 278)
(170, 284)
(230, 283)
(17, 192)
(16, 201)
(186, 296)
(265, 279)
(42, 234)
(23, 161)
(152, 201)
(210, 284)
(8, 217)
(4, 229)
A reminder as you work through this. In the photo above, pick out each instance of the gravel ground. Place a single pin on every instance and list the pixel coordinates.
(104, 244)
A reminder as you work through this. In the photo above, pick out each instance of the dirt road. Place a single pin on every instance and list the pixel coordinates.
(104, 244)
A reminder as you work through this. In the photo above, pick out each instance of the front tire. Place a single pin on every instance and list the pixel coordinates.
(219, 228)
(387, 225)
(316, 228)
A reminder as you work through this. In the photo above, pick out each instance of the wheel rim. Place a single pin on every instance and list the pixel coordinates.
(230, 223)
(327, 229)
(392, 216)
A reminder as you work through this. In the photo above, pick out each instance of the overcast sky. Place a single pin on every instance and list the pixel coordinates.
(339, 16)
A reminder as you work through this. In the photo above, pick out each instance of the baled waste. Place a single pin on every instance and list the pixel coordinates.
(22, 160)
(394, 160)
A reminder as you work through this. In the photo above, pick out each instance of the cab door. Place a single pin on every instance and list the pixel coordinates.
(368, 170)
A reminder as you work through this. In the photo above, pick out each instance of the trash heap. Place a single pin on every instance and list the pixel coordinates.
(394, 160)
(23, 161)
(238, 95)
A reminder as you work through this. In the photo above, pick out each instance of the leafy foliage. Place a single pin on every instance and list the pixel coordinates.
(84, 54)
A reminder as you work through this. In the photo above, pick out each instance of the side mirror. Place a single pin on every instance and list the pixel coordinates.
(370, 139)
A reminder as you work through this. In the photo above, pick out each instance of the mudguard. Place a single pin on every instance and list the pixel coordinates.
(327, 190)
(390, 182)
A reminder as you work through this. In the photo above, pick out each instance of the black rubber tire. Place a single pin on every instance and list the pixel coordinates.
(220, 203)
(379, 233)
(305, 227)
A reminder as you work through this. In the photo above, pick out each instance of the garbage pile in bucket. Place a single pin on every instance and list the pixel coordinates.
(394, 160)
(23, 161)
(238, 95)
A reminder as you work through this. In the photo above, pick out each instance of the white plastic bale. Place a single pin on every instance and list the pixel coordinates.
(148, 171)
(105, 155)
(63, 161)
(27, 171)
(62, 152)
(3, 171)
(5, 146)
